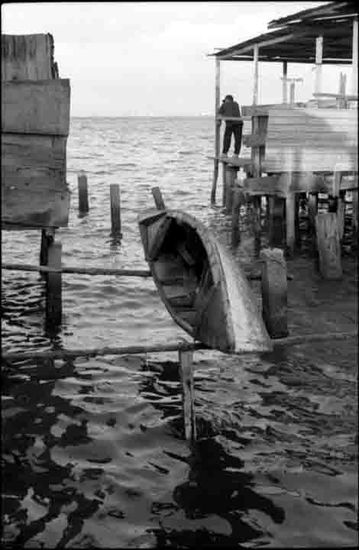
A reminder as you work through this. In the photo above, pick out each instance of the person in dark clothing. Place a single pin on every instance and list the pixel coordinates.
(231, 108)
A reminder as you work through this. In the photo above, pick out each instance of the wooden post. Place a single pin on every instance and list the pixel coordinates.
(83, 193)
(355, 58)
(47, 237)
(341, 91)
(341, 214)
(354, 218)
(186, 370)
(328, 245)
(290, 205)
(276, 221)
(312, 211)
(238, 199)
(231, 173)
(318, 64)
(224, 182)
(157, 195)
(274, 292)
(259, 125)
(255, 76)
(115, 209)
(297, 241)
(53, 285)
(217, 131)
(284, 83)
(292, 93)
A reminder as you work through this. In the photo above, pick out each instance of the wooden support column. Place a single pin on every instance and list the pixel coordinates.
(355, 58)
(276, 233)
(312, 212)
(186, 370)
(259, 125)
(297, 198)
(115, 209)
(355, 219)
(238, 200)
(328, 245)
(255, 73)
(341, 214)
(224, 183)
(284, 83)
(157, 196)
(217, 131)
(47, 238)
(274, 292)
(54, 285)
(318, 64)
(290, 206)
(83, 193)
(231, 173)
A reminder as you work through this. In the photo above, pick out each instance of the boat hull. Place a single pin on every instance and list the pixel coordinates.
(203, 289)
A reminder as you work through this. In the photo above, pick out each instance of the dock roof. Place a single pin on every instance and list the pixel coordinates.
(293, 37)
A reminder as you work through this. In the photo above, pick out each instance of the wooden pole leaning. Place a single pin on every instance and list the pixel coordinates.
(186, 371)
(54, 285)
(115, 209)
(217, 131)
(157, 196)
(83, 193)
(274, 292)
(328, 244)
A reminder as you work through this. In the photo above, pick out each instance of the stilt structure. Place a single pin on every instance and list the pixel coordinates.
(35, 126)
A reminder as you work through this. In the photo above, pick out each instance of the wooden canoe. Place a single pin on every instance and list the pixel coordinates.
(200, 285)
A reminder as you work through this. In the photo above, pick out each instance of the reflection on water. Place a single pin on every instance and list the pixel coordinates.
(93, 449)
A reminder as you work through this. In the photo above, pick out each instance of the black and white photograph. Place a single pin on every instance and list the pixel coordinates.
(179, 292)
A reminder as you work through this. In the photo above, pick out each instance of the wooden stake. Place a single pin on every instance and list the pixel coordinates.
(296, 220)
(115, 209)
(255, 75)
(274, 292)
(328, 245)
(224, 183)
(341, 214)
(231, 173)
(186, 369)
(83, 193)
(312, 211)
(217, 131)
(157, 195)
(54, 285)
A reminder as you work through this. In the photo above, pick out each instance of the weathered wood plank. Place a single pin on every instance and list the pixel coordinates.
(311, 140)
(34, 188)
(36, 107)
(27, 57)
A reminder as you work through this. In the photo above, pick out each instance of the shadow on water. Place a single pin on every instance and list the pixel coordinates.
(216, 488)
(37, 491)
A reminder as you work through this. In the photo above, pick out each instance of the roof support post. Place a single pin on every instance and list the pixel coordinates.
(255, 65)
(217, 129)
(318, 64)
(284, 83)
(355, 58)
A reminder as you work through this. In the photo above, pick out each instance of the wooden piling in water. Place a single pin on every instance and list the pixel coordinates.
(231, 173)
(290, 206)
(276, 206)
(54, 285)
(328, 244)
(274, 292)
(186, 371)
(157, 195)
(47, 237)
(115, 209)
(83, 193)
(354, 219)
(238, 199)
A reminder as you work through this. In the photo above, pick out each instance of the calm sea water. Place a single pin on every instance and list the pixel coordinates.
(93, 449)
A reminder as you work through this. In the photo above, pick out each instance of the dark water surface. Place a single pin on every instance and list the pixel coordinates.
(93, 449)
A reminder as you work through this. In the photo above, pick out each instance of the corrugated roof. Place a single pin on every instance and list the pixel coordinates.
(294, 41)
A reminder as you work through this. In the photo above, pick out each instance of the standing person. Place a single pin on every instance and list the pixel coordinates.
(231, 108)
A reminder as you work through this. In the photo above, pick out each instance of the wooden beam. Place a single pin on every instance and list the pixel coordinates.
(355, 58)
(318, 63)
(255, 71)
(36, 107)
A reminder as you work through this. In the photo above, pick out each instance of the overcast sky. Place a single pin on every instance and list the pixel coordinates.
(149, 58)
